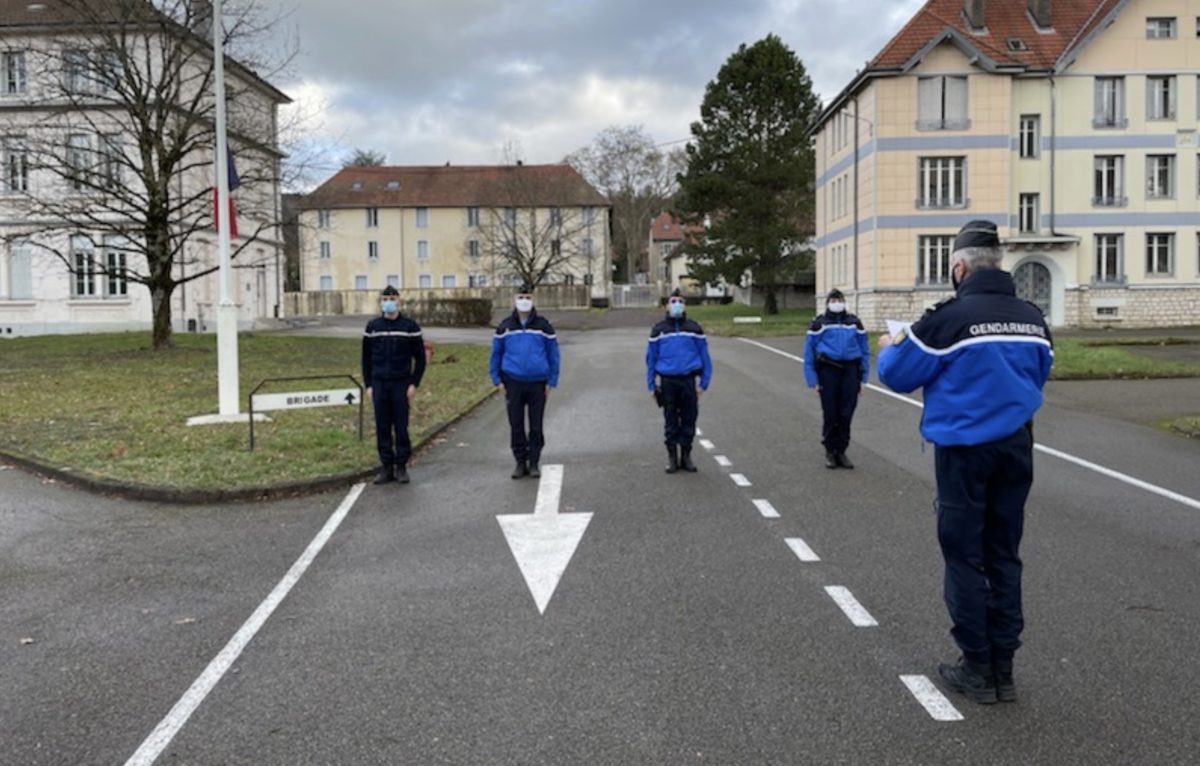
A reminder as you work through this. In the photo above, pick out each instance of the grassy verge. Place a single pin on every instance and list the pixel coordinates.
(718, 320)
(1188, 426)
(108, 408)
(1086, 360)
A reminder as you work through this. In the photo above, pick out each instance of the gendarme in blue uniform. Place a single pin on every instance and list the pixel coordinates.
(393, 358)
(525, 359)
(838, 359)
(677, 354)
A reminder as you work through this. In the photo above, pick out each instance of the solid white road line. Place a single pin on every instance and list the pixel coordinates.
(801, 549)
(723, 461)
(187, 704)
(766, 509)
(549, 490)
(706, 444)
(859, 616)
(1190, 502)
(934, 702)
(739, 479)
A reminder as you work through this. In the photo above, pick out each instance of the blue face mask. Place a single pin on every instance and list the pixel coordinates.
(389, 307)
(675, 309)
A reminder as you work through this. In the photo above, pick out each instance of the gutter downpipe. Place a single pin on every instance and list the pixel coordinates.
(856, 121)
(1053, 150)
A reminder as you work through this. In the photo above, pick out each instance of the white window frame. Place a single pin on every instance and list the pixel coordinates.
(1106, 245)
(17, 282)
(422, 250)
(556, 217)
(1109, 108)
(325, 283)
(1108, 183)
(372, 250)
(1029, 212)
(77, 78)
(325, 250)
(372, 218)
(392, 280)
(1160, 176)
(422, 216)
(14, 73)
(1161, 28)
(472, 217)
(15, 171)
(933, 259)
(116, 268)
(79, 160)
(473, 249)
(1160, 245)
(1160, 97)
(585, 246)
(942, 182)
(108, 161)
(361, 282)
(425, 281)
(83, 268)
(1031, 136)
(589, 215)
(324, 217)
(938, 88)
(449, 281)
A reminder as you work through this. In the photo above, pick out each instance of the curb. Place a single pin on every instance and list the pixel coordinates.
(153, 494)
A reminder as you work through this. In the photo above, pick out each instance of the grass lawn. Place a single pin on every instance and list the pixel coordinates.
(107, 407)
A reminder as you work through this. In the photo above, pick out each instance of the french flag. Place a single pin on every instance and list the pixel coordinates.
(234, 182)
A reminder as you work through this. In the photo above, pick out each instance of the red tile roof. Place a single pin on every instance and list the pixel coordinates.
(455, 186)
(665, 228)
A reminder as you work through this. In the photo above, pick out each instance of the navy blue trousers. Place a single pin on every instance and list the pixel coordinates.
(681, 407)
(526, 396)
(980, 517)
(839, 397)
(391, 421)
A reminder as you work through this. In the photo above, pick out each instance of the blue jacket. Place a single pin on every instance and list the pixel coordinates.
(528, 353)
(982, 356)
(392, 350)
(678, 347)
(840, 337)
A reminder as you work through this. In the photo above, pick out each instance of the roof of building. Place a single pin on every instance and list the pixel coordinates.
(58, 15)
(666, 228)
(1010, 39)
(455, 186)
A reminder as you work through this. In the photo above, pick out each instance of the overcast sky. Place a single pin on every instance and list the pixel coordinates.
(435, 81)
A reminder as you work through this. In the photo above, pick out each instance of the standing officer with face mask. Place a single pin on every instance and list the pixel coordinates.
(677, 354)
(982, 358)
(525, 365)
(836, 363)
(393, 363)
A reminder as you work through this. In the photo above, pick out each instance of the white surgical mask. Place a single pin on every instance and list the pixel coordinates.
(524, 305)
(389, 307)
(837, 307)
(675, 309)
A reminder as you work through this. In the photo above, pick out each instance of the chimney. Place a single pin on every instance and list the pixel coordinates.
(973, 10)
(1040, 10)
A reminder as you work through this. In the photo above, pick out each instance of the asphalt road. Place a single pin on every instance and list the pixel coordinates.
(685, 628)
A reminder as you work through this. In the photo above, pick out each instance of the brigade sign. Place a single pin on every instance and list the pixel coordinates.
(302, 399)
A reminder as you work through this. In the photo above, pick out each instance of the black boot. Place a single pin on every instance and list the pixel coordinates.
(843, 461)
(830, 460)
(387, 475)
(520, 470)
(534, 470)
(672, 458)
(975, 681)
(685, 459)
(402, 474)
(1006, 688)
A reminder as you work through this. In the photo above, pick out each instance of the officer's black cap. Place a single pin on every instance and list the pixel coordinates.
(525, 289)
(390, 290)
(977, 234)
(834, 294)
(676, 293)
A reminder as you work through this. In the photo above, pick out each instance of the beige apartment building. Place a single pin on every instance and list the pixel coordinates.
(1071, 124)
(450, 227)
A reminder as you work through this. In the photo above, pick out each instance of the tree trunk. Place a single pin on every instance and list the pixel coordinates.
(160, 306)
(770, 306)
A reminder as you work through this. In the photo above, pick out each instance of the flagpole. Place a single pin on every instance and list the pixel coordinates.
(227, 312)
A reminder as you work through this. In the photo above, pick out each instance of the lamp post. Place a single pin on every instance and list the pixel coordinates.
(227, 330)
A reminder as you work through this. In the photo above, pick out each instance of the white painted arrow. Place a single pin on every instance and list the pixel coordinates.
(544, 541)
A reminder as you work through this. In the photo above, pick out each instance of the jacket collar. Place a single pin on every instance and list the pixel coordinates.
(988, 281)
(516, 315)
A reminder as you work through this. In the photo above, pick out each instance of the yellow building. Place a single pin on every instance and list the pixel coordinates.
(1071, 124)
(453, 227)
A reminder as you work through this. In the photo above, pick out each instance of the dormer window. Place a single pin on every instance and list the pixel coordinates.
(1016, 45)
(393, 185)
(357, 186)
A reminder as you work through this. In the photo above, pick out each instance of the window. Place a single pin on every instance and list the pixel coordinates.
(12, 70)
(477, 280)
(422, 218)
(1028, 210)
(449, 281)
(942, 103)
(323, 218)
(1109, 184)
(943, 182)
(326, 283)
(510, 217)
(79, 150)
(423, 250)
(360, 282)
(393, 185)
(1160, 98)
(473, 249)
(556, 248)
(1110, 103)
(1160, 176)
(1030, 135)
(116, 282)
(372, 217)
(16, 167)
(110, 162)
(472, 216)
(425, 281)
(326, 251)
(1109, 256)
(665, 249)
(392, 280)
(569, 279)
(75, 72)
(555, 217)
(83, 268)
(934, 260)
(372, 251)
(356, 185)
(586, 248)
(110, 72)
(589, 215)
(587, 279)
(1160, 252)
(20, 270)
(1160, 28)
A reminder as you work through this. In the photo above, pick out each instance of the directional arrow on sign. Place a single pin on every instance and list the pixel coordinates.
(544, 541)
(349, 398)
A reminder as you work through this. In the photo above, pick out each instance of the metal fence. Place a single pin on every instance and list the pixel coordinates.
(635, 296)
(359, 302)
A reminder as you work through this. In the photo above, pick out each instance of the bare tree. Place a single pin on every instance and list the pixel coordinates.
(120, 141)
(638, 178)
(370, 158)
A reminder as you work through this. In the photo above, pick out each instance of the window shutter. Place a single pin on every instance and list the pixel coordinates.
(929, 100)
(956, 101)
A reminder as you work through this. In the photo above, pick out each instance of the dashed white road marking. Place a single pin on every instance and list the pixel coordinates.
(934, 702)
(801, 549)
(1124, 478)
(191, 699)
(723, 461)
(740, 479)
(859, 616)
(706, 444)
(766, 509)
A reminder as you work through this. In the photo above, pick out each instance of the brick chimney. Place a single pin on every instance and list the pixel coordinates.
(973, 10)
(1040, 10)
